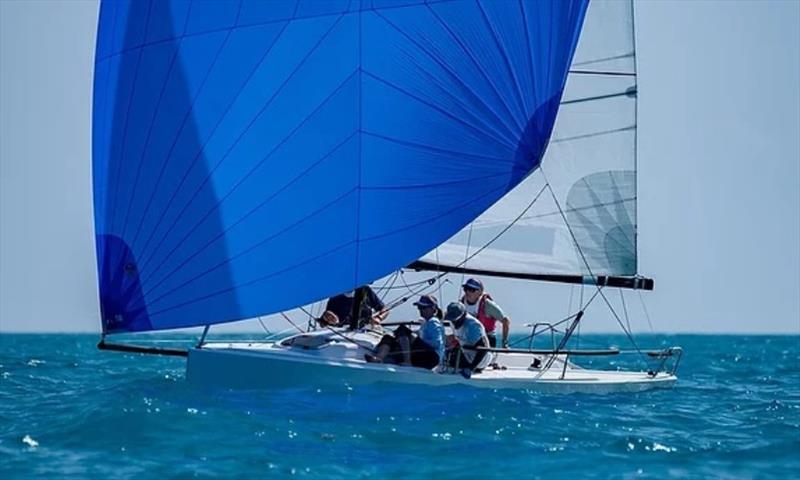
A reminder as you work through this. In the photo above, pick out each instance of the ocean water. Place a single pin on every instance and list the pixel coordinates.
(68, 410)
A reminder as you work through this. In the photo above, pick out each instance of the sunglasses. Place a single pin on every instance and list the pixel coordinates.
(470, 289)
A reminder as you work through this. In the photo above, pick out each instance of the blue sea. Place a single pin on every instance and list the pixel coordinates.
(68, 410)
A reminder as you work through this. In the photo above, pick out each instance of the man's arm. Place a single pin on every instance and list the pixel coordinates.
(506, 327)
(494, 311)
(381, 312)
(380, 316)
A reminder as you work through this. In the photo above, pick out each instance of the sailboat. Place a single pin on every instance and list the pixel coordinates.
(250, 158)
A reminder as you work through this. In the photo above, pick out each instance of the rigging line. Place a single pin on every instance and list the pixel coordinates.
(438, 271)
(413, 284)
(586, 262)
(489, 224)
(312, 320)
(625, 310)
(269, 334)
(279, 334)
(602, 72)
(386, 281)
(403, 299)
(503, 231)
(456, 78)
(598, 97)
(403, 279)
(466, 252)
(604, 59)
(185, 121)
(392, 278)
(252, 122)
(627, 333)
(286, 317)
(646, 313)
(348, 339)
(571, 293)
(564, 320)
(396, 276)
(411, 292)
(599, 290)
(593, 134)
(541, 332)
(635, 137)
(317, 310)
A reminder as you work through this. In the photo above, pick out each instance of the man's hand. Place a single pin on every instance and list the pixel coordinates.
(329, 318)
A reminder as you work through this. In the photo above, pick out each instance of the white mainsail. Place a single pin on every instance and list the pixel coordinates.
(575, 215)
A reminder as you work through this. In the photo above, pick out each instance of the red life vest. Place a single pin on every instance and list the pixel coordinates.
(488, 322)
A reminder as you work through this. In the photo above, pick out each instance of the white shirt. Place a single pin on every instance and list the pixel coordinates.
(469, 334)
(472, 309)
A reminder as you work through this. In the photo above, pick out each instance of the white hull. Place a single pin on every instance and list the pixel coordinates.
(272, 365)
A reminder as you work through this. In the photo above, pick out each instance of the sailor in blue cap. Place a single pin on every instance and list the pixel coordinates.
(481, 306)
(428, 348)
(425, 350)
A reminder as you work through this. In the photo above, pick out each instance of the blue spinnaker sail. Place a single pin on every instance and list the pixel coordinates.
(252, 156)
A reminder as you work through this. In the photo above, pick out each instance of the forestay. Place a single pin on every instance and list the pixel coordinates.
(252, 156)
(590, 167)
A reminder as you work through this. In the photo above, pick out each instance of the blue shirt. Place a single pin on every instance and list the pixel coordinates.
(432, 333)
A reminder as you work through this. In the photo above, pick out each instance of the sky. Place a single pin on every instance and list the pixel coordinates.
(719, 173)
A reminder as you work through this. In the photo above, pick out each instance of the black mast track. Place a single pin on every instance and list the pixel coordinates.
(635, 283)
